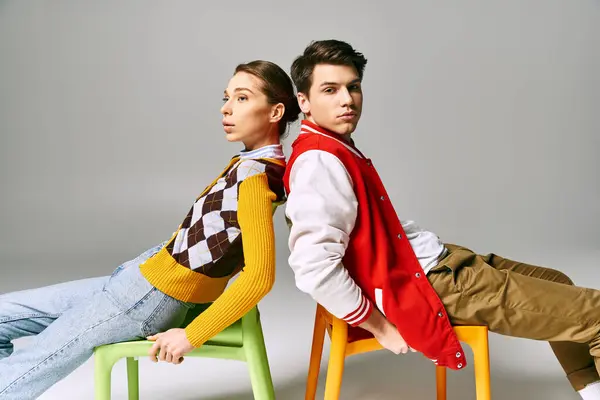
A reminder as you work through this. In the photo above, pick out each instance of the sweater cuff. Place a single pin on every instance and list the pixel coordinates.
(361, 314)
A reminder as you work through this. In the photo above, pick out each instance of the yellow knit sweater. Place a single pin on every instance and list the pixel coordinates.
(254, 215)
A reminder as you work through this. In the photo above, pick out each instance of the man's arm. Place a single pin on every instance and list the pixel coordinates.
(322, 209)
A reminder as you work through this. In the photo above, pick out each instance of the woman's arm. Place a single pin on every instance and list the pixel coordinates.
(255, 216)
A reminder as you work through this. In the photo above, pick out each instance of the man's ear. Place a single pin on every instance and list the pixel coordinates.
(303, 102)
(277, 112)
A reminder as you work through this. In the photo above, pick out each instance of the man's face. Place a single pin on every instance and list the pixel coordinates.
(334, 100)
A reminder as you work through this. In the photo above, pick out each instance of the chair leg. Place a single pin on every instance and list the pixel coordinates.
(337, 354)
(102, 375)
(133, 379)
(481, 357)
(315, 356)
(440, 380)
(256, 357)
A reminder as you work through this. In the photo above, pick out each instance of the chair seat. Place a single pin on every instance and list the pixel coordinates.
(226, 344)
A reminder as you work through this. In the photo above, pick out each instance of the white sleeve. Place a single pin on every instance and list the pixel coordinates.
(322, 208)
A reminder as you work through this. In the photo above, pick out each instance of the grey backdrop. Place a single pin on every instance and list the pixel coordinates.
(482, 118)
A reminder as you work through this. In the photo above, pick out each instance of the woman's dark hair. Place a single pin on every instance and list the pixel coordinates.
(333, 52)
(278, 88)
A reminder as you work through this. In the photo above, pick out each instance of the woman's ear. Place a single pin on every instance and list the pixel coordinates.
(277, 112)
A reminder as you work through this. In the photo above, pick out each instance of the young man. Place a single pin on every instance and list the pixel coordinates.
(353, 255)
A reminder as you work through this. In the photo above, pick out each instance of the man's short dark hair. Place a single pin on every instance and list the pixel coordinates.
(334, 52)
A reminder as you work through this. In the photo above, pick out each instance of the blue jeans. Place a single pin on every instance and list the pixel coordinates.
(70, 319)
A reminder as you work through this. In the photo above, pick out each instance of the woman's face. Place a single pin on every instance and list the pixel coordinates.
(247, 115)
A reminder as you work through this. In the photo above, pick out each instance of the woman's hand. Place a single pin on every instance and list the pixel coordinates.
(170, 345)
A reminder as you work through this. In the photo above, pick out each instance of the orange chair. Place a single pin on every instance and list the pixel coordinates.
(475, 336)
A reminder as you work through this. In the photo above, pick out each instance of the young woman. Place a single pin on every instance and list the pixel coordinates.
(228, 229)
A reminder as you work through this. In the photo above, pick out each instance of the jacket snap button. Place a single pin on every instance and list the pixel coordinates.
(459, 365)
(399, 236)
(457, 354)
(440, 314)
(382, 197)
(418, 274)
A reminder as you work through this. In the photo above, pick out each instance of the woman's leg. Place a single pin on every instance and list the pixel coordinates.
(29, 312)
(127, 308)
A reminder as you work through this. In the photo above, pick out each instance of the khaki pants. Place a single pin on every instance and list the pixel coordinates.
(526, 301)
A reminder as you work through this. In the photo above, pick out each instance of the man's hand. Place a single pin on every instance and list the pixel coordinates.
(173, 344)
(386, 333)
(391, 339)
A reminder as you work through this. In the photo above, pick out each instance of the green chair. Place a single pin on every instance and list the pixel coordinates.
(242, 341)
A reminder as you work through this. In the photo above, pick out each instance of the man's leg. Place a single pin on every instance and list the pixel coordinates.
(515, 304)
(575, 358)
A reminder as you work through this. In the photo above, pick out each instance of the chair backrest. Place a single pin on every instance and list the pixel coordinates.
(276, 204)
